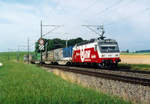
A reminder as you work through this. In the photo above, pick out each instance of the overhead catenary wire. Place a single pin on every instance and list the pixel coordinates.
(55, 28)
(115, 6)
(125, 5)
(129, 16)
(110, 7)
(103, 10)
(89, 27)
(85, 10)
(58, 2)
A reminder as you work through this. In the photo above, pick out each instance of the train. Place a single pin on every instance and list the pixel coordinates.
(98, 52)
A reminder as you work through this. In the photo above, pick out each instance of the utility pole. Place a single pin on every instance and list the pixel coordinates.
(66, 43)
(18, 54)
(41, 38)
(11, 50)
(28, 51)
(42, 35)
(8, 54)
(46, 49)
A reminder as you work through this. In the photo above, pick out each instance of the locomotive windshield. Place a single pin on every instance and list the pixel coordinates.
(110, 46)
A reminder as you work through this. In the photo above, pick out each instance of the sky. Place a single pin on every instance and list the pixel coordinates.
(127, 21)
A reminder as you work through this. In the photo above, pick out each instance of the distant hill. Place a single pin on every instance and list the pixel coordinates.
(143, 51)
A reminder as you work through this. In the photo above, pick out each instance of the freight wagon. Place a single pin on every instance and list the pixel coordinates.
(58, 56)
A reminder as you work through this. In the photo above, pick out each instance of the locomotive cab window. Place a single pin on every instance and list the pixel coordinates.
(108, 47)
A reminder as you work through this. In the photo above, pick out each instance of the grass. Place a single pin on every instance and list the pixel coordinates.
(12, 56)
(27, 84)
(135, 53)
(145, 67)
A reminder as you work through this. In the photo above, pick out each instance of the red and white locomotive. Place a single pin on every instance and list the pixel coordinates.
(102, 52)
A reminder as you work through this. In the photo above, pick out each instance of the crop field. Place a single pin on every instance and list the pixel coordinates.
(21, 83)
(135, 58)
(147, 53)
(137, 61)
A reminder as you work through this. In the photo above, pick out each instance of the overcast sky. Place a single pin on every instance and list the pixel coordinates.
(127, 21)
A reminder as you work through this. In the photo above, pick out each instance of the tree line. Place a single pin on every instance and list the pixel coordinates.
(55, 43)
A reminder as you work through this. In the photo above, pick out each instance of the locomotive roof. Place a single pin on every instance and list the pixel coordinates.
(87, 42)
(107, 40)
(99, 40)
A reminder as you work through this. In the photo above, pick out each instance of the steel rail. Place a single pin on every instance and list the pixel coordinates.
(127, 79)
(112, 69)
(116, 69)
(133, 71)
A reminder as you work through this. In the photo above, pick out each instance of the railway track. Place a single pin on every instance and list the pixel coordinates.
(110, 76)
(129, 70)
(121, 69)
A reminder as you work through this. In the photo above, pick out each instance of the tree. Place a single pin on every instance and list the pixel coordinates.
(58, 43)
(127, 50)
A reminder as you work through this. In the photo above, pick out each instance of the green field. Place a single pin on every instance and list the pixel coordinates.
(28, 84)
(147, 53)
(144, 67)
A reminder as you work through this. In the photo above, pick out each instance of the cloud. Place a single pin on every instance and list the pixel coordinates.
(127, 21)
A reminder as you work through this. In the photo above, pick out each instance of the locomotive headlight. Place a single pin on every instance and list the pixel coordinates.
(103, 55)
(116, 55)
